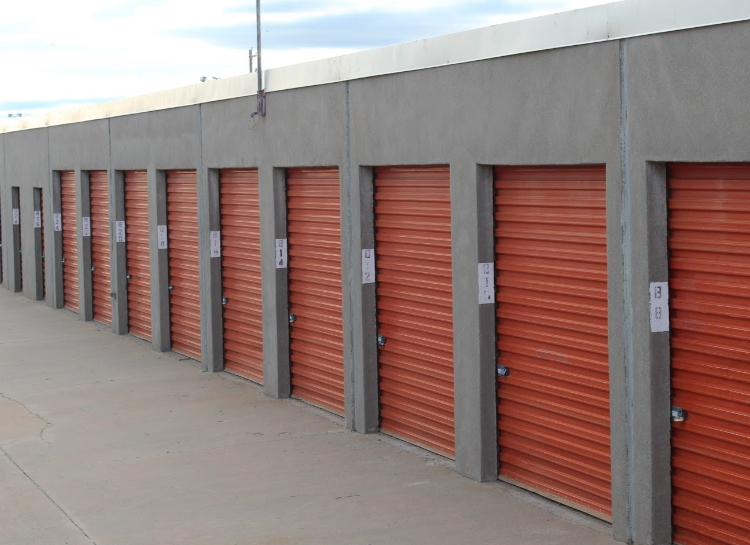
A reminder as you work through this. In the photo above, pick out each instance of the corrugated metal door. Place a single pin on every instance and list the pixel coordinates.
(551, 262)
(184, 285)
(43, 260)
(137, 254)
(415, 305)
(100, 246)
(709, 275)
(69, 239)
(240, 272)
(316, 335)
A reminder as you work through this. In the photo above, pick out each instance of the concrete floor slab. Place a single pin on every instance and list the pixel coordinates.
(106, 441)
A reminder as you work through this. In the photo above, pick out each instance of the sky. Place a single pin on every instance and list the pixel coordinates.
(62, 54)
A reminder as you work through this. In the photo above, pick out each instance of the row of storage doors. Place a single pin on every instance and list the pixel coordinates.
(551, 315)
(553, 410)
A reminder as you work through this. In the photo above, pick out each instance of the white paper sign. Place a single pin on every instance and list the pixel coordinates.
(86, 226)
(486, 283)
(57, 220)
(368, 266)
(161, 237)
(37, 218)
(215, 243)
(659, 307)
(280, 253)
(120, 231)
(16, 217)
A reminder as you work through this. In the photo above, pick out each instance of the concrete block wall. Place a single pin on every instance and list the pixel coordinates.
(632, 105)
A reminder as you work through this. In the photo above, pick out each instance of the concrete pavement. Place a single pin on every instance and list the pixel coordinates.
(105, 441)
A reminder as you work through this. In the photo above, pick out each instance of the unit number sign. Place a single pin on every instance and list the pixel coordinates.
(659, 307)
(368, 266)
(281, 253)
(57, 221)
(86, 226)
(120, 231)
(37, 218)
(16, 217)
(161, 237)
(486, 283)
(215, 243)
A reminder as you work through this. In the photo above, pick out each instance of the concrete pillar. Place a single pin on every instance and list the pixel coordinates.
(38, 280)
(651, 500)
(472, 230)
(157, 213)
(118, 254)
(85, 280)
(365, 414)
(55, 252)
(16, 280)
(276, 371)
(209, 221)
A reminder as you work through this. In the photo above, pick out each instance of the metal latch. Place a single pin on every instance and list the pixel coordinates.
(292, 318)
(679, 414)
(128, 276)
(113, 295)
(171, 288)
(381, 340)
(93, 269)
(224, 301)
(63, 260)
(502, 371)
(42, 256)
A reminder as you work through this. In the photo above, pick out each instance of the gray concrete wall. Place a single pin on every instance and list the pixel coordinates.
(631, 106)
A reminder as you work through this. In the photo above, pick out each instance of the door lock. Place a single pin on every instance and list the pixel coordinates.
(224, 301)
(63, 260)
(292, 318)
(502, 371)
(171, 288)
(128, 276)
(93, 269)
(679, 414)
(381, 340)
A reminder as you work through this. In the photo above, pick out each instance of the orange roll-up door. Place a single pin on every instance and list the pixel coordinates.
(709, 284)
(240, 272)
(316, 335)
(69, 239)
(415, 305)
(100, 246)
(551, 262)
(137, 254)
(184, 297)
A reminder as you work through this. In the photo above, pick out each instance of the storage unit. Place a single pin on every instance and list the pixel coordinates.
(137, 253)
(551, 263)
(100, 246)
(184, 287)
(316, 329)
(241, 273)
(709, 284)
(69, 239)
(42, 258)
(415, 305)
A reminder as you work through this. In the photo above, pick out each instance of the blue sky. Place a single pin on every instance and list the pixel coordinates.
(57, 55)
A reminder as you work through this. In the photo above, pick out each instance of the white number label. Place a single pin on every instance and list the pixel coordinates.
(486, 283)
(215, 243)
(659, 307)
(57, 220)
(161, 237)
(86, 226)
(16, 217)
(280, 253)
(120, 231)
(37, 218)
(368, 266)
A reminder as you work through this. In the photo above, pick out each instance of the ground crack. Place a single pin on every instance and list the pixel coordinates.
(47, 423)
